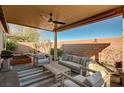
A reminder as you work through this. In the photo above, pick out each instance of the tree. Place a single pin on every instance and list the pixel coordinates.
(26, 34)
(31, 35)
(21, 33)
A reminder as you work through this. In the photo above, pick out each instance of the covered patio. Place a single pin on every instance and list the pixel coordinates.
(72, 15)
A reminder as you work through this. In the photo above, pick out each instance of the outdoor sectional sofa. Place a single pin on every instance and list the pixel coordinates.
(97, 79)
(75, 62)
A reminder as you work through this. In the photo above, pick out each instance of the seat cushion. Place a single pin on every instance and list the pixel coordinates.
(71, 64)
(80, 78)
(95, 80)
(69, 83)
(43, 61)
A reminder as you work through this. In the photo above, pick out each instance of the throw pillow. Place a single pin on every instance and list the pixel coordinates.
(64, 57)
(76, 59)
(69, 57)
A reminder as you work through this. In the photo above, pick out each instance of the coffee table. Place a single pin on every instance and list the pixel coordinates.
(57, 70)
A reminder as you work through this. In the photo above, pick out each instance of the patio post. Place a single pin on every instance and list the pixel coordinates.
(55, 45)
(97, 57)
(123, 49)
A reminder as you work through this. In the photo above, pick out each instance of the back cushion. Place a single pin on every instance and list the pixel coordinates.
(76, 59)
(69, 57)
(64, 57)
(95, 80)
(85, 61)
(40, 56)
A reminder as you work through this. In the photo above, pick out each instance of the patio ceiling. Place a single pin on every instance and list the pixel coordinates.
(70, 14)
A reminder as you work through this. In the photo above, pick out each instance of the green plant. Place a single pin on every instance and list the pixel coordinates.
(107, 63)
(59, 52)
(11, 45)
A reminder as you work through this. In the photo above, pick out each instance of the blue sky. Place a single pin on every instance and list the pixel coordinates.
(103, 29)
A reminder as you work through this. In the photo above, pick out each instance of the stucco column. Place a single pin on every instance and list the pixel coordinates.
(123, 50)
(55, 45)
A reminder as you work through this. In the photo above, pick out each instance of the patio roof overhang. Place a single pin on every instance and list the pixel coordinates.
(2, 20)
(72, 15)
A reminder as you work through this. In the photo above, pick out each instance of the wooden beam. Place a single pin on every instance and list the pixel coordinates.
(97, 57)
(96, 18)
(3, 21)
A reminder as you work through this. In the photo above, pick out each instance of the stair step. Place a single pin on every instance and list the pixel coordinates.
(31, 81)
(29, 73)
(33, 76)
(29, 70)
(42, 83)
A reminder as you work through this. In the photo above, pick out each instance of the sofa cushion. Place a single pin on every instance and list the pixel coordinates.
(85, 61)
(76, 59)
(71, 64)
(69, 83)
(80, 78)
(40, 56)
(43, 61)
(64, 57)
(69, 57)
(95, 80)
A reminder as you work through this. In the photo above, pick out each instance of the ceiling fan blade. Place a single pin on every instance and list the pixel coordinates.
(57, 22)
(50, 20)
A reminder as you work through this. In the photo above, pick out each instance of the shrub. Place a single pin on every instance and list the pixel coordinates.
(59, 52)
(11, 45)
(107, 63)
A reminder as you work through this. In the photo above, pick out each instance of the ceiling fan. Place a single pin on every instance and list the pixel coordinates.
(50, 20)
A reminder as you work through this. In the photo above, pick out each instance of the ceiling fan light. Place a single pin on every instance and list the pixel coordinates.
(50, 22)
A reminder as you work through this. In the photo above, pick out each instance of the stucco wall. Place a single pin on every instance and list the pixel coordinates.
(26, 47)
(112, 53)
(1, 40)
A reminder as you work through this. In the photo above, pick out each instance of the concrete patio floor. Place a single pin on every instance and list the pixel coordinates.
(10, 78)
